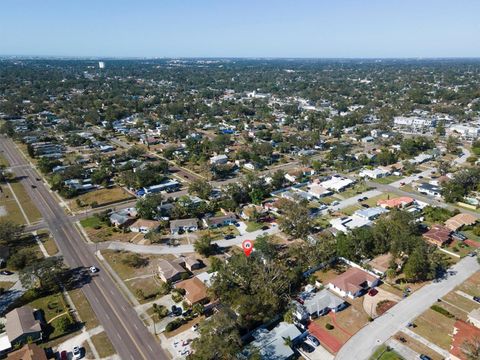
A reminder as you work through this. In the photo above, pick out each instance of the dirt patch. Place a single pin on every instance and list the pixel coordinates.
(384, 306)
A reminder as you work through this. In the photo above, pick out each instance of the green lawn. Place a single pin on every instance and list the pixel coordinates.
(253, 226)
(388, 179)
(84, 309)
(30, 210)
(91, 222)
(354, 190)
(384, 353)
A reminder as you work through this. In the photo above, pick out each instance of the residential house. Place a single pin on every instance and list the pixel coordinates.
(317, 190)
(347, 223)
(467, 132)
(438, 235)
(271, 344)
(380, 264)
(399, 203)
(195, 290)
(170, 271)
(353, 283)
(144, 226)
(462, 332)
(219, 221)
(22, 327)
(337, 183)
(420, 159)
(458, 221)
(252, 211)
(28, 352)
(183, 225)
(374, 174)
(219, 159)
(429, 189)
(370, 213)
(190, 263)
(318, 304)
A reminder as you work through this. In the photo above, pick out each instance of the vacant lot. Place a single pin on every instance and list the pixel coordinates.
(388, 179)
(418, 346)
(435, 327)
(103, 345)
(9, 209)
(471, 286)
(141, 279)
(100, 197)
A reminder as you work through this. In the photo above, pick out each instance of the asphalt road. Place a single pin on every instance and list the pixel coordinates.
(129, 336)
(362, 344)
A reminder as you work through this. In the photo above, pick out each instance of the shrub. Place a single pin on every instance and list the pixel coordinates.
(442, 311)
(175, 324)
(329, 326)
(176, 297)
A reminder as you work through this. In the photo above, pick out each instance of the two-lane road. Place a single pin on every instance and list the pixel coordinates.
(362, 344)
(125, 330)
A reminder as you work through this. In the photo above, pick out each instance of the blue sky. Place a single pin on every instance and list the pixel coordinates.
(241, 28)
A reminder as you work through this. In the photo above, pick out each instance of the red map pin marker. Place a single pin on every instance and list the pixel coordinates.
(247, 246)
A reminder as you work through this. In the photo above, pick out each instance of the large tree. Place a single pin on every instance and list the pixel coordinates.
(295, 219)
(219, 338)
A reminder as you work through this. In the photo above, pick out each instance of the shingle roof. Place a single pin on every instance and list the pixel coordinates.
(196, 290)
(169, 269)
(459, 220)
(438, 234)
(28, 352)
(352, 279)
(322, 300)
(21, 321)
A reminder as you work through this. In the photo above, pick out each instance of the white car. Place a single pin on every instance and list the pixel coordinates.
(77, 353)
(93, 269)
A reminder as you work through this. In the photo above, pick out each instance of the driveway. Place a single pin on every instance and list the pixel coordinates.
(359, 347)
(354, 199)
(403, 350)
(181, 249)
(370, 302)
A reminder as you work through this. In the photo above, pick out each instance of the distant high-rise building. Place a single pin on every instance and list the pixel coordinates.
(101, 65)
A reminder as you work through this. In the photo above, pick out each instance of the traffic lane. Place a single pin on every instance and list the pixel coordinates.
(123, 340)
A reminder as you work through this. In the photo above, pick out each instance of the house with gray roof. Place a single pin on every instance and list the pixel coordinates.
(272, 345)
(22, 327)
(318, 304)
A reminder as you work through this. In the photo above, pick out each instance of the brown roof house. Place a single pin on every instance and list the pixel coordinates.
(381, 263)
(196, 291)
(438, 235)
(460, 220)
(28, 352)
(22, 327)
(353, 283)
(190, 263)
(170, 271)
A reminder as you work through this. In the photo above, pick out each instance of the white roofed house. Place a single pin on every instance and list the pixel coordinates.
(187, 225)
(374, 174)
(337, 183)
(219, 159)
(347, 223)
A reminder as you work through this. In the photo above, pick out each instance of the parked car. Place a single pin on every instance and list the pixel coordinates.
(313, 340)
(265, 227)
(335, 203)
(176, 310)
(33, 186)
(476, 298)
(402, 183)
(373, 292)
(6, 272)
(402, 339)
(195, 327)
(307, 347)
(459, 236)
(63, 355)
(425, 357)
(77, 353)
(366, 206)
(229, 236)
